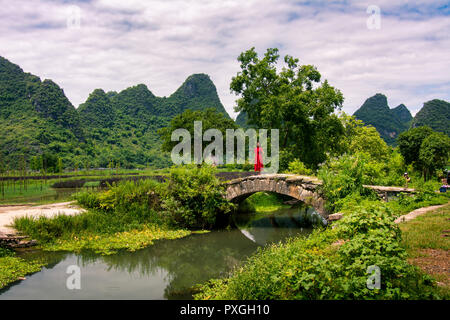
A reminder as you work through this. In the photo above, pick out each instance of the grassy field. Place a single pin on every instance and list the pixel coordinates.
(427, 242)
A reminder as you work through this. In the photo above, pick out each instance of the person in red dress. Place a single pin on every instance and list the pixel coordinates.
(258, 158)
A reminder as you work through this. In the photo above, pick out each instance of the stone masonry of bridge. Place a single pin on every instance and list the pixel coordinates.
(303, 188)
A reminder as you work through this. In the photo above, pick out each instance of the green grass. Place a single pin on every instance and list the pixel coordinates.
(262, 202)
(425, 231)
(14, 193)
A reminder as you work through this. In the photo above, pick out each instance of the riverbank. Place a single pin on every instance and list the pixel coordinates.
(8, 213)
(13, 268)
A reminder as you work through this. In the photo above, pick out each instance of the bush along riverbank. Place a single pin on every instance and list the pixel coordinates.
(133, 214)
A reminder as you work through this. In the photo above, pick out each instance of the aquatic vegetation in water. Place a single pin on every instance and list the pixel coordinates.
(13, 268)
(109, 244)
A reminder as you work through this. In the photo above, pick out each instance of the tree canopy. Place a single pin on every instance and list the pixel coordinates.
(425, 149)
(292, 100)
(409, 143)
(434, 153)
(210, 118)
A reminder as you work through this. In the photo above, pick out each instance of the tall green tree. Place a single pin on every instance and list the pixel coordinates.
(434, 153)
(292, 100)
(210, 118)
(409, 143)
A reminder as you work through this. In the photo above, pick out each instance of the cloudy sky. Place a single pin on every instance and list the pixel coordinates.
(404, 52)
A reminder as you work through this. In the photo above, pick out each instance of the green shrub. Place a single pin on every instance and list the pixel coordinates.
(341, 177)
(193, 198)
(298, 167)
(125, 196)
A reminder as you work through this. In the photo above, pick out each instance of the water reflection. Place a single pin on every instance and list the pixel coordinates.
(168, 269)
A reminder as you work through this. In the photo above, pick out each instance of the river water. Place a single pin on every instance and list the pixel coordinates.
(166, 270)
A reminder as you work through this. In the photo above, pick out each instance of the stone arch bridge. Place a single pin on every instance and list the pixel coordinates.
(303, 188)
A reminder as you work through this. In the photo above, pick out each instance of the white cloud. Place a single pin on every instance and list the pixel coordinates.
(160, 43)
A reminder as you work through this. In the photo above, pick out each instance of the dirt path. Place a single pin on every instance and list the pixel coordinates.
(418, 212)
(8, 213)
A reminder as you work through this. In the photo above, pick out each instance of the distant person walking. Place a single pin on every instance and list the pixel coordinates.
(258, 158)
(407, 178)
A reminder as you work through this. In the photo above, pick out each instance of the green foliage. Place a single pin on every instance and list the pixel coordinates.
(196, 93)
(321, 267)
(367, 139)
(409, 144)
(47, 230)
(262, 202)
(426, 150)
(342, 177)
(5, 252)
(292, 100)
(407, 203)
(129, 205)
(124, 196)
(286, 156)
(193, 198)
(298, 167)
(345, 176)
(97, 110)
(388, 122)
(434, 153)
(210, 118)
(13, 268)
(46, 162)
(242, 120)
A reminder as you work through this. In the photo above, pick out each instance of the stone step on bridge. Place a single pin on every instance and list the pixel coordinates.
(303, 188)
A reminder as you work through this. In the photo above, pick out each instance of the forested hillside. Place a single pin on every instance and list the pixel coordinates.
(435, 114)
(109, 129)
(35, 117)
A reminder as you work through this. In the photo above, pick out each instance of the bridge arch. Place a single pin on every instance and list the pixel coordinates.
(302, 188)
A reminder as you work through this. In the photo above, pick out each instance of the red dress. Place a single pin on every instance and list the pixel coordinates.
(258, 159)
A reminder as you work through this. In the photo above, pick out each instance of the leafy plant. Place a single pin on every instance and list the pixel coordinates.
(298, 167)
(193, 197)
